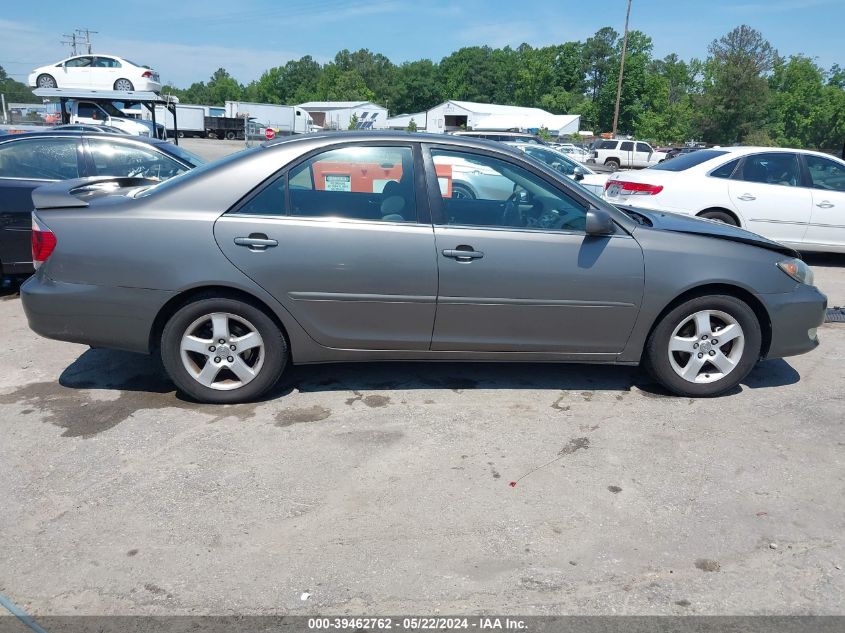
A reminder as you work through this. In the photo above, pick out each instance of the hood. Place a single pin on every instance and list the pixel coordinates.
(677, 223)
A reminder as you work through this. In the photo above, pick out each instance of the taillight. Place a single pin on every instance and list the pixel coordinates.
(147, 74)
(43, 243)
(635, 188)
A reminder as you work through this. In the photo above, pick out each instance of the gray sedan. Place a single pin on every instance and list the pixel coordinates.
(353, 247)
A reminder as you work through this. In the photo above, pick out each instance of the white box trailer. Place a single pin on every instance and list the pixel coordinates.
(284, 119)
(190, 119)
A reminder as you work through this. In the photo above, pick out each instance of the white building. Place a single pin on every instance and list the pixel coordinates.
(336, 115)
(401, 121)
(457, 115)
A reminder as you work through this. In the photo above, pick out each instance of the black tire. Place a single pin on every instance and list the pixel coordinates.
(181, 135)
(613, 163)
(231, 136)
(656, 354)
(275, 350)
(129, 83)
(462, 192)
(45, 81)
(719, 216)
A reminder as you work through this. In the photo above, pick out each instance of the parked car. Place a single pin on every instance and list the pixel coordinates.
(793, 196)
(350, 247)
(561, 163)
(522, 137)
(98, 72)
(679, 151)
(573, 151)
(616, 153)
(74, 127)
(28, 161)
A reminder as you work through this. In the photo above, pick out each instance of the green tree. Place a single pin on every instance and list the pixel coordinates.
(342, 85)
(222, 87)
(417, 87)
(353, 122)
(736, 93)
(600, 57)
(412, 125)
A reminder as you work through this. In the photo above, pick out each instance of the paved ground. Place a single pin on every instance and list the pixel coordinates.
(212, 149)
(384, 488)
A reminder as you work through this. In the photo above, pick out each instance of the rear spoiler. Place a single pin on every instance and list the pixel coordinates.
(76, 193)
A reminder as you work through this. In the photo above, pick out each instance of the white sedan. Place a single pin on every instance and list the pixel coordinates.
(559, 161)
(96, 72)
(796, 197)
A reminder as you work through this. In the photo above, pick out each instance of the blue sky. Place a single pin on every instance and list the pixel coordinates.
(186, 40)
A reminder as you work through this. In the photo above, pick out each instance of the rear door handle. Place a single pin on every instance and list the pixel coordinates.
(824, 204)
(747, 197)
(462, 253)
(256, 242)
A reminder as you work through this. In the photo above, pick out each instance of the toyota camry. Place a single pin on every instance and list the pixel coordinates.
(354, 247)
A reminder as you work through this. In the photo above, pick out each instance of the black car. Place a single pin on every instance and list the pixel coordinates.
(30, 160)
(679, 151)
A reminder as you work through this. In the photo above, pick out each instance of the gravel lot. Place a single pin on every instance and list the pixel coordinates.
(385, 488)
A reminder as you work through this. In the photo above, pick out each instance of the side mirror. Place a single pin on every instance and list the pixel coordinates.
(579, 173)
(599, 222)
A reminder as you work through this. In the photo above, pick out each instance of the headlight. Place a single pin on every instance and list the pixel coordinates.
(798, 270)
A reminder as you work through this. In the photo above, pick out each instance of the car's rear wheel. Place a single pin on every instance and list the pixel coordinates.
(705, 346)
(124, 85)
(223, 350)
(719, 216)
(231, 136)
(613, 163)
(45, 81)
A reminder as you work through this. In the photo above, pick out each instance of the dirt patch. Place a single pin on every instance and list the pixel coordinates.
(289, 417)
(705, 564)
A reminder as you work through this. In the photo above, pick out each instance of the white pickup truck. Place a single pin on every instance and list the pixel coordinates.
(107, 114)
(616, 153)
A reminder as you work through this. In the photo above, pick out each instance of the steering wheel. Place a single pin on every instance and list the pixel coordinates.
(512, 214)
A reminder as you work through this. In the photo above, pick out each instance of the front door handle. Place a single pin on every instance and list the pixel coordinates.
(462, 253)
(747, 197)
(824, 204)
(256, 242)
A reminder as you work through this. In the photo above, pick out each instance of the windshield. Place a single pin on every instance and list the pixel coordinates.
(194, 173)
(185, 155)
(685, 161)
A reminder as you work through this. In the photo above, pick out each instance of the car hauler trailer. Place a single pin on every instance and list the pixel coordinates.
(103, 107)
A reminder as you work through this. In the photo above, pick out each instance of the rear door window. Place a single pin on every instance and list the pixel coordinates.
(771, 168)
(39, 159)
(356, 182)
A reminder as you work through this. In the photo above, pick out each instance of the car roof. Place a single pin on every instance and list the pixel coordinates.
(86, 134)
(393, 136)
(742, 150)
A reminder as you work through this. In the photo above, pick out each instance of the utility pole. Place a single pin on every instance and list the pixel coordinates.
(70, 41)
(621, 71)
(87, 37)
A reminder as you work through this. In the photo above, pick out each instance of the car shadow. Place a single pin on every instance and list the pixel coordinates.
(101, 369)
(824, 259)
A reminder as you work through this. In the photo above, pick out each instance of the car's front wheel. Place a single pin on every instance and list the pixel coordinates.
(223, 350)
(45, 81)
(705, 346)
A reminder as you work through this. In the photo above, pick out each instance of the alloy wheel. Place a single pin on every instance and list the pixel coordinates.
(706, 346)
(222, 351)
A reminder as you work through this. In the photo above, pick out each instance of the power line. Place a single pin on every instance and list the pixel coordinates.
(621, 71)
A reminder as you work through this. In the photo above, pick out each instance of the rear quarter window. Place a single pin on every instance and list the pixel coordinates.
(683, 162)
